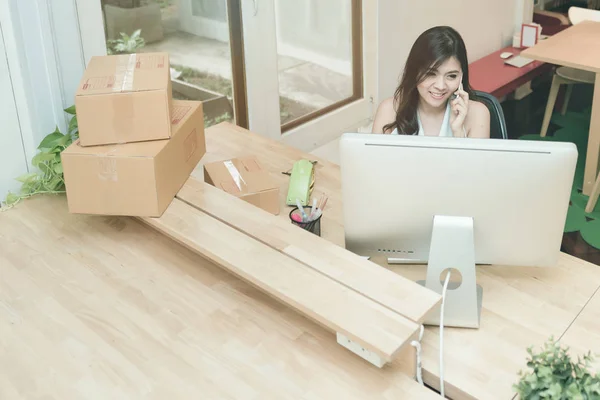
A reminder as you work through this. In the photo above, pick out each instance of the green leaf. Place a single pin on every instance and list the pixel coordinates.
(11, 198)
(30, 187)
(27, 177)
(58, 168)
(42, 158)
(49, 141)
(64, 141)
(73, 125)
(55, 184)
(70, 110)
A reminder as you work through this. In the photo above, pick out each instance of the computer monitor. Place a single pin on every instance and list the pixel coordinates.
(454, 203)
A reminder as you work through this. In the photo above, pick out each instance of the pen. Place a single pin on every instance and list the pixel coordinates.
(304, 216)
(313, 210)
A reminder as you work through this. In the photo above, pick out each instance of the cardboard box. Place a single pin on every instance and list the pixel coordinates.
(124, 98)
(245, 178)
(135, 179)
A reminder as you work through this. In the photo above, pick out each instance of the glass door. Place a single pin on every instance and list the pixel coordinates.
(319, 51)
(203, 39)
(307, 66)
(301, 71)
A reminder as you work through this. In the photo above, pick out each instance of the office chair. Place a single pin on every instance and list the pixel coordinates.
(497, 122)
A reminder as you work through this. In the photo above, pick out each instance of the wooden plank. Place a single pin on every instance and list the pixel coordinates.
(323, 300)
(381, 285)
(115, 309)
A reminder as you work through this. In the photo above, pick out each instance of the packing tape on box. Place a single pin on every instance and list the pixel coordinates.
(235, 174)
(107, 166)
(123, 109)
(124, 73)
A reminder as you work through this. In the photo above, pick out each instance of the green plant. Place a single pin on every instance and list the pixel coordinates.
(48, 170)
(165, 3)
(554, 376)
(126, 44)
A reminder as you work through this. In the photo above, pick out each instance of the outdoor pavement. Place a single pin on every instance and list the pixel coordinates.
(299, 80)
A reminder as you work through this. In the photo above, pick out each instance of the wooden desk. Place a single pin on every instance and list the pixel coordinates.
(103, 307)
(491, 75)
(107, 306)
(584, 333)
(578, 47)
(521, 306)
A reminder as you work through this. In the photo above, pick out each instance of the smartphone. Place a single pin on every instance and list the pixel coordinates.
(455, 94)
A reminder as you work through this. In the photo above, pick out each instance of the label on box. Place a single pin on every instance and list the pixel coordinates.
(99, 82)
(150, 62)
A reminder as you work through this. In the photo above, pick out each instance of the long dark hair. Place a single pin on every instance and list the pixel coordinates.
(431, 49)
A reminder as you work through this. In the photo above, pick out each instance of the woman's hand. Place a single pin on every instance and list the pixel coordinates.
(459, 108)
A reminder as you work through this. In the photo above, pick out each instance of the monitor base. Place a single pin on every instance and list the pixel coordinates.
(452, 248)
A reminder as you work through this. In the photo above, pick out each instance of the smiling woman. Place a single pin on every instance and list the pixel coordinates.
(434, 97)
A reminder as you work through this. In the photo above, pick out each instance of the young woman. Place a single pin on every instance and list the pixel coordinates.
(424, 103)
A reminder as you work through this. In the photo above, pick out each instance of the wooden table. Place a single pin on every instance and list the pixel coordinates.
(491, 75)
(108, 308)
(113, 308)
(521, 306)
(578, 47)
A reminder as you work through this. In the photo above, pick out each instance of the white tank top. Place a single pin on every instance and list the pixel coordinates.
(445, 129)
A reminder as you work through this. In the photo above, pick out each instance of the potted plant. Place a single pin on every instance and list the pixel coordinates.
(47, 176)
(125, 44)
(554, 375)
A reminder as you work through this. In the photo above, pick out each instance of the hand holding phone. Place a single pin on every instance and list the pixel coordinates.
(455, 94)
(459, 104)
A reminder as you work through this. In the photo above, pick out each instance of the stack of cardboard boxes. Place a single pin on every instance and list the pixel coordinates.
(137, 146)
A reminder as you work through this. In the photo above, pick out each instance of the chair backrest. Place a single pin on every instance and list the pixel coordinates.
(578, 14)
(497, 122)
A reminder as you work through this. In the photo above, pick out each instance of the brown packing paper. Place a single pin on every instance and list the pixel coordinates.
(245, 178)
(135, 179)
(124, 99)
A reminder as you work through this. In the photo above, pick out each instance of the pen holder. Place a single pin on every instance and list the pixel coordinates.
(311, 226)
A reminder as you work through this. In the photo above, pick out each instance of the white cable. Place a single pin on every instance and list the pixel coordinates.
(417, 345)
(442, 334)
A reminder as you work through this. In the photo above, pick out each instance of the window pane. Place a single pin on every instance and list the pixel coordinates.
(315, 55)
(195, 33)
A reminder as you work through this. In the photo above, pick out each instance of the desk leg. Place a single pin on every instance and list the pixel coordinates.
(591, 163)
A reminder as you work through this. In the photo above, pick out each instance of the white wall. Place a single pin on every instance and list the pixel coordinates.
(485, 25)
(41, 63)
(12, 154)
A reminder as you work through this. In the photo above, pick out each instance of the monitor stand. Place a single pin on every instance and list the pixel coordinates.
(452, 247)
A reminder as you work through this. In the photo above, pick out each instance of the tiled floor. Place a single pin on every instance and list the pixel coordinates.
(299, 80)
